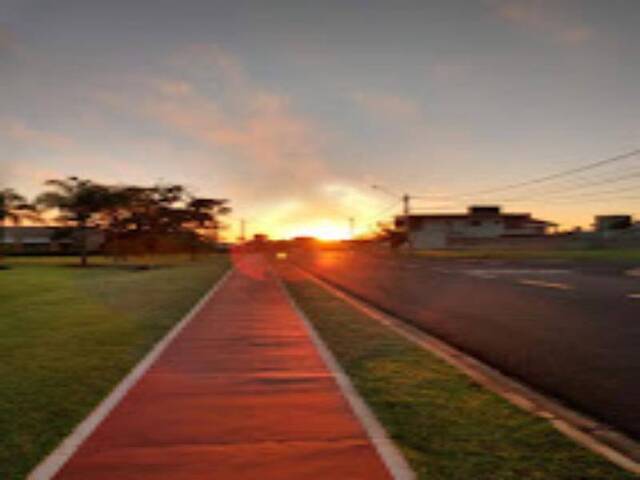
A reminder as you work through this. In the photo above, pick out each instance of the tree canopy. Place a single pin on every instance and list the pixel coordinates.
(146, 214)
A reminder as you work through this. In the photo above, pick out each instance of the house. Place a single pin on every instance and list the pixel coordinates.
(480, 222)
(47, 240)
(607, 223)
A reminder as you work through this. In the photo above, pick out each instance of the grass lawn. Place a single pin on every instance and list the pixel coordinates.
(603, 255)
(68, 335)
(447, 426)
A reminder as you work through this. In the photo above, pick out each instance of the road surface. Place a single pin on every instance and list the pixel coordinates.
(570, 330)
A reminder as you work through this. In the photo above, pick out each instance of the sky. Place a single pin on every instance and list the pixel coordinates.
(294, 109)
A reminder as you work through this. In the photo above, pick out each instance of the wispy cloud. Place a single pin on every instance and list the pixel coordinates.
(266, 133)
(388, 106)
(247, 121)
(450, 71)
(19, 131)
(271, 155)
(544, 17)
(7, 39)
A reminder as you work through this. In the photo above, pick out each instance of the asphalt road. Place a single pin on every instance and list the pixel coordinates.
(571, 330)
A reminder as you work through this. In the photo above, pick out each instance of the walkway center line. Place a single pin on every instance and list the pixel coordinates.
(541, 283)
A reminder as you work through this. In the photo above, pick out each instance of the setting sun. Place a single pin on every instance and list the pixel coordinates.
(323, 230)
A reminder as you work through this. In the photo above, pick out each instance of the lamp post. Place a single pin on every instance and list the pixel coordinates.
(243, 227)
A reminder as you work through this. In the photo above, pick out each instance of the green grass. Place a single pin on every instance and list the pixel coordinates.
(98, 260)
(447, 426)
(603, 255)
(68, 335)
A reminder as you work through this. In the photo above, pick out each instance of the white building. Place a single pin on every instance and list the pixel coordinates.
(480, 222)
(36, 239)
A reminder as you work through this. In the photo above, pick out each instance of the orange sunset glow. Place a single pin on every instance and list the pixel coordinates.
(322, 230)
(294, 131)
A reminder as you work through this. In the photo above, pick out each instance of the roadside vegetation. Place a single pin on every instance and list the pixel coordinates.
(447, 426)
(68, 335)
(129, 219)
(13, 208)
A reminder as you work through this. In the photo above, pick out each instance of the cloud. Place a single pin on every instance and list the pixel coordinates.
(269, 154)
(175, 88)
(7, 39)
(20, 132)
(388, 106)
(576, 35)
(450, 71)
(543, 17)
(29, 175)
(262, 130)
(229, 113)
(212, 59)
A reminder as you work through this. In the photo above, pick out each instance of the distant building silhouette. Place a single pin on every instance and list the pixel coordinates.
(480, 222)
(605, 223)
(47, 240)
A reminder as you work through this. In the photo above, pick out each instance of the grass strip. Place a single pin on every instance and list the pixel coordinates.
(68, 335)
(447, 426)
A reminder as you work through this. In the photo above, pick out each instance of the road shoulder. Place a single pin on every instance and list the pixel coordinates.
(472, 431)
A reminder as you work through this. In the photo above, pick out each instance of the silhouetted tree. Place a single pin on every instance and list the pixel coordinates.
(204, 215)
(164, 214)
(79, 203)
(116, 209)
(150, 215)
(13, 208)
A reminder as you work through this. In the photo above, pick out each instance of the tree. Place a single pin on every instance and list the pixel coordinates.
(204, 214)
(13, 206)
(113, 218)
(79, 203)
(147, 216)
(152, 209)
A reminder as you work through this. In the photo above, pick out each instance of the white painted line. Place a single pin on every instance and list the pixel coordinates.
(634, 295)
(442, 270)
(634, 272)
(48, 468)
(389, 453)
(480, 274)
(540, 283)
(521, 271)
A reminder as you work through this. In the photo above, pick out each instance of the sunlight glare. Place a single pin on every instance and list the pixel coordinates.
(322, 230)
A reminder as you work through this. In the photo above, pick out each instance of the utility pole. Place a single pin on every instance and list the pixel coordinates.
(352, 227)
(406, 211)
(243, 226)
(406, 208)
(406, 205)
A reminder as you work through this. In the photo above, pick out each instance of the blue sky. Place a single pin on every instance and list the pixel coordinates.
(293, 109)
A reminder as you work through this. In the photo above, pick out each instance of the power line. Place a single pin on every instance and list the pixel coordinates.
(554, 176)
(579, 195)
(382, 212)
(626, 177)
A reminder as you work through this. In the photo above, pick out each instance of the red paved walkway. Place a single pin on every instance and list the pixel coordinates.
(241, 393)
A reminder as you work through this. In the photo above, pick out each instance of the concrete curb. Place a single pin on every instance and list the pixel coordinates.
(387, 450)
(50, 466)
(586, 431)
